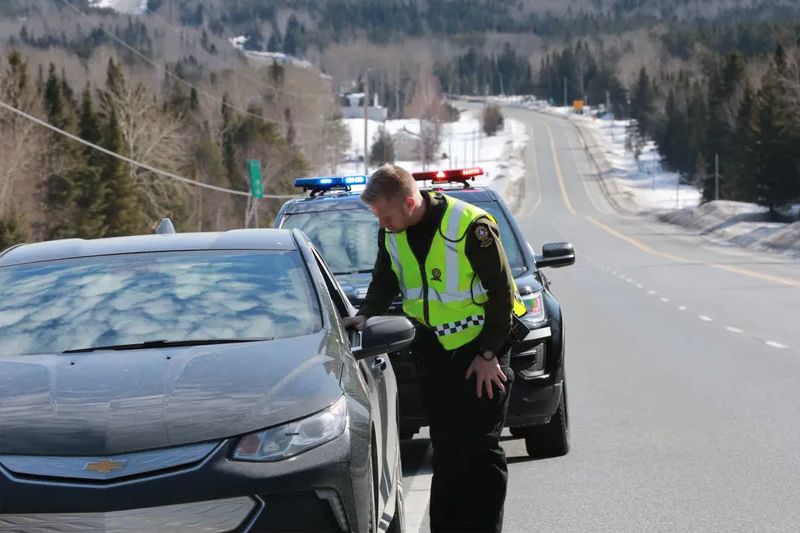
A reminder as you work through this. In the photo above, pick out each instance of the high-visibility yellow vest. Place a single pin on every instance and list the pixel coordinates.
(446, 295)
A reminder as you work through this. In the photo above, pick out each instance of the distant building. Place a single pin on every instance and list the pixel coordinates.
(353, 107)
(406, 145)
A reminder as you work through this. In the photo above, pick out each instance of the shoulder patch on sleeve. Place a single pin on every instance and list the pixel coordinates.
(483, 235)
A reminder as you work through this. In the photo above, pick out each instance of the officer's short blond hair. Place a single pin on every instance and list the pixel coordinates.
(389, 182)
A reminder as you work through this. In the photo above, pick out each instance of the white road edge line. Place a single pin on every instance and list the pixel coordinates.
(705, 318)
(682, 308)
(734, 330)
(665, 300)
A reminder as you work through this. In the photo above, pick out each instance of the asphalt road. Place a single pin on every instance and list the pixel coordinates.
(683, 368)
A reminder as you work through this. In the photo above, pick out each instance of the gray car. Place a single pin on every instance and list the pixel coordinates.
(199, 382)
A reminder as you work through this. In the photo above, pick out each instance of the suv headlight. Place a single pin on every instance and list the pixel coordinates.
(288, 440)
(534, 303)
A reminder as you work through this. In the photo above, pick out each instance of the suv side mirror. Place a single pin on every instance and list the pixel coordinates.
(384, 334)
(556, 254)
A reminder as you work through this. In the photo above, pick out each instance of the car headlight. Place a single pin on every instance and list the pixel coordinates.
(534, 303)
(288, 440)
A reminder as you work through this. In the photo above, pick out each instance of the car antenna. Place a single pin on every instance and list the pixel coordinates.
(165, 227)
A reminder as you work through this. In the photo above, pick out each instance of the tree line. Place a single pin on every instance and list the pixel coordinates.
(749, 125)
(54, 187)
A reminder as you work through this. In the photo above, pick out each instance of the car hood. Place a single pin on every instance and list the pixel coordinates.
(111, 402)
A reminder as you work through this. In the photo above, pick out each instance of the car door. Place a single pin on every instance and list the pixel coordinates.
(379, 375)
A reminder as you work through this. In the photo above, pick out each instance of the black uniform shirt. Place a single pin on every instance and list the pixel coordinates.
(486, 255)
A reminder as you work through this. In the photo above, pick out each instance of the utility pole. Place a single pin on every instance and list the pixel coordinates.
(366, 122)
(716, 176)
(565, 91)
(449, 153)
(474, 142)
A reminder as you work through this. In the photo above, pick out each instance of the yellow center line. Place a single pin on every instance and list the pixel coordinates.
(644, 247)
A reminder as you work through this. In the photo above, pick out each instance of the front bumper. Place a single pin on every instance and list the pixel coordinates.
(319, 490)
(535, 392)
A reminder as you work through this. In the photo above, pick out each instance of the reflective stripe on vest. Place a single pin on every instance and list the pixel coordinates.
(455, 296)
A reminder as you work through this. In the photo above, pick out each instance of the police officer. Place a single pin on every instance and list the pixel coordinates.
(445, 258)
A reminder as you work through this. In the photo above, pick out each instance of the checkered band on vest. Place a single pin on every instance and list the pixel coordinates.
(459, 325)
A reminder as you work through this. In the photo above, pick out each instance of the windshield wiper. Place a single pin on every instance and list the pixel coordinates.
(161, 343)
(367, 271)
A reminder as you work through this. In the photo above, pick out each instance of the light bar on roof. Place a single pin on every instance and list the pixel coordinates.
(453, 175)
(327, 183)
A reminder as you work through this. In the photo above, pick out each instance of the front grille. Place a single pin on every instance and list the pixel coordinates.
(205, 517)
(108, 468)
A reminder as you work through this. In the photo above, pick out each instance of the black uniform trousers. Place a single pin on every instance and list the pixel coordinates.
(470, 474)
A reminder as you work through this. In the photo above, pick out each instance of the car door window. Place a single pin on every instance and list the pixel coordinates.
(341, 303)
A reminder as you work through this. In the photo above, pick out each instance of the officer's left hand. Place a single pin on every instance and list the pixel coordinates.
(486, 373)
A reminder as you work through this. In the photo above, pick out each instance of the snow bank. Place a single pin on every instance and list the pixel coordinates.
(738, 223)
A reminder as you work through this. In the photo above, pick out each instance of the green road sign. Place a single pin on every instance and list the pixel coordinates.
(256, 184)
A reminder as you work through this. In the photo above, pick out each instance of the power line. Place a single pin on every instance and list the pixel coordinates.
(132, 161)
(315, 96)
(178, 78)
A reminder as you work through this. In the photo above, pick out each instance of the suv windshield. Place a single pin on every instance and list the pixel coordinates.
(54, 306)
(348, 238)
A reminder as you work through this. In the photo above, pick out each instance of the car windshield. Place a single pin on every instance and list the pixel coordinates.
(54, 306)
(348, 238)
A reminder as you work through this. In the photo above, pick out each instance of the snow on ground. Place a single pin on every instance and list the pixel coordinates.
(130, 7)
(463, 144)
(644, 181)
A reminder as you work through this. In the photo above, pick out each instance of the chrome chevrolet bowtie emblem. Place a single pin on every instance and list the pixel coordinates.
(105, 466)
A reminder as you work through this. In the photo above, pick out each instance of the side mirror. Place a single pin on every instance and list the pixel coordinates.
(384, 334)
(556, 254)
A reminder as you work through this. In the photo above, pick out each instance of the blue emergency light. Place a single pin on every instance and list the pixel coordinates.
(329, 183)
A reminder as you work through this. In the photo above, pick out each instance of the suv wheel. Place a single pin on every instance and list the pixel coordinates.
(551, 439)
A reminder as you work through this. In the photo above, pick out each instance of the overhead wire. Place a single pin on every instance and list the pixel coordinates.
(133, 162)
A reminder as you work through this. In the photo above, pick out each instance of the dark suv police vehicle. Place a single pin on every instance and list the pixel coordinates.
(346, 232)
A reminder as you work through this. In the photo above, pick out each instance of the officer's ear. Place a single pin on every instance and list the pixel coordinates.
(409, 202)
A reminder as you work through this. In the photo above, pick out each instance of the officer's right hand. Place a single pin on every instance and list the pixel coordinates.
(355, 322)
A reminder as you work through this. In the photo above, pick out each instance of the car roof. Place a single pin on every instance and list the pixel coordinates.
(351, 199)
(242, 239)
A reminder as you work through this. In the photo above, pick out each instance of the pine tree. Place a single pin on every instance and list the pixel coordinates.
(65, 158)
(13, 230)
(643, 98)
(744, 181)
(122, 214)
(778, 171)
(275, 42)
(90, 200)
(382, 150)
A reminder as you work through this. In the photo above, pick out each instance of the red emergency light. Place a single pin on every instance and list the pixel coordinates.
(461, 175)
